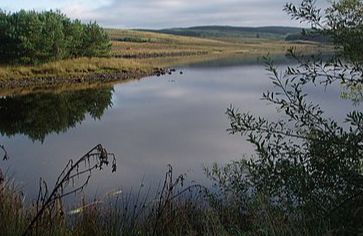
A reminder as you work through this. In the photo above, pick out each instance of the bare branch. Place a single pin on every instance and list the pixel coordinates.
(97, 155)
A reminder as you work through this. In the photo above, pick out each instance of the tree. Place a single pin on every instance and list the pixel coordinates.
(38, 115)
(95, 41)
(308, 166)
(343, 21)
(30, 37)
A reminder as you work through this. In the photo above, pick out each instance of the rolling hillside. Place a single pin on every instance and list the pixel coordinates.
(272, 32)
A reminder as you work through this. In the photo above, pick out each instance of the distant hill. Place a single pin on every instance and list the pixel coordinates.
(275, 32)
(305, 35)
(236, 33)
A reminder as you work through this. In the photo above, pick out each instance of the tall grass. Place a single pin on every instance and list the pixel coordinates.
(171, 210)
(12, 215)
(72, 67)
(167, 212)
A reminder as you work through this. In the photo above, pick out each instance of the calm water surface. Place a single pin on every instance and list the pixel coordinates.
(149, 123)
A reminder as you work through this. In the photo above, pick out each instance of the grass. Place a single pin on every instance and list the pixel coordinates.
(121, 215)
(116, 214)
(232, 33)
(169, 211)
(159, 45)
(172, 209)
(71, 68)
(142, 51)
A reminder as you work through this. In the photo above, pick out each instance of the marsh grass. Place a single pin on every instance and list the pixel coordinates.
(176, 207)
(173, 209)
(72, 67)
(142, 51)
(13, 218)
(170, 211)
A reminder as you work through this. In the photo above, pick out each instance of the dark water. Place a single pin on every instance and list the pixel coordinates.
(175, 119)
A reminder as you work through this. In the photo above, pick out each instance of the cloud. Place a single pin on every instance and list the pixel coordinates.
(174, 13)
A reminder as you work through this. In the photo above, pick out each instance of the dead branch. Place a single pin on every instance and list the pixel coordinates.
(6, 155)
(82, 169)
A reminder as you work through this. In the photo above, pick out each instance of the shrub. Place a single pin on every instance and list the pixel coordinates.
(30, 37)
(308, 169)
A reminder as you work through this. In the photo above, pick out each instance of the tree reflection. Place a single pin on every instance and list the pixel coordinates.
(38, 115)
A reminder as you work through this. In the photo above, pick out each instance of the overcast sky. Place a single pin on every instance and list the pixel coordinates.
(166, 13)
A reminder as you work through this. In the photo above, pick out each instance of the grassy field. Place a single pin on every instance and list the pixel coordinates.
(233, 33)
(143, 45)
(143, 51)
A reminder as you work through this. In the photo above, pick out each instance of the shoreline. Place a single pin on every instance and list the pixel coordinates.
(77, 82)
(16, 86)
(43, 84)
(139, 69)
(54, 81)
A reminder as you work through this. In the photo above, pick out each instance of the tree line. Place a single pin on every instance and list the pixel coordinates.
(30, 37)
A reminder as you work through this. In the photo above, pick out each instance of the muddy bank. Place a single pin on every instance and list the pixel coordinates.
(54, 81)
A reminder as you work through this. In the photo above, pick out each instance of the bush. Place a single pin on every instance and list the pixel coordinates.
(308, 170)
(30, 37)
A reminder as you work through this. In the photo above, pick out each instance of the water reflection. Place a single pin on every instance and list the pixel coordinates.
(38, 115)
(236, 60)
(152, 123)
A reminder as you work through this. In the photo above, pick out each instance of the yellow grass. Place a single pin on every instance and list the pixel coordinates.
(71, 67)
(142, 51)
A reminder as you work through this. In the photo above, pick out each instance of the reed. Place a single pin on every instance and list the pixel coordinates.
(175, 208)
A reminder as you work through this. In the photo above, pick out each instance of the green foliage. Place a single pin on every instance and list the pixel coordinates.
(308, 168)
(309, 36)
(30, 37)
(342, 21)
(95, 41)
(38, 115)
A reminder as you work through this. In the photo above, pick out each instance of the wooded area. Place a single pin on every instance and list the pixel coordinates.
(30, 37)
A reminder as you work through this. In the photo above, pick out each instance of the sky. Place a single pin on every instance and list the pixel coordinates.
(157, 14)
